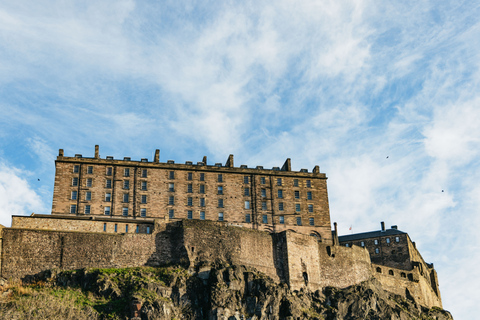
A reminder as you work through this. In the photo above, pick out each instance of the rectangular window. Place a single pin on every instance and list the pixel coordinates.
(202, 215)
(308, 183)
(189, 188)
(202, 188)
(297, 207)
(245, 179)
(377, 250)
(126, 228)
(148, 230)
(375, 242)
(109, 171)
(281, 220)
(264, 219)
(116, 227)
(280, 193)
(297, 194)
(137, 229)
(299, 221)
(246, 192)
(143, 212)
(143, 185)
(264, 205)
(202, 202)
(144, 198)
(74, 195)
(144, 173)
(75, 182)
(397, 239)
(126, 184)
(362, 244)
(171, 175)
(104, 227)
(125, 211)
(90, 169)
(125, 197)
(220, 178)
(189, 176)
(310, 208)
(106, 210)
(262, 180)
(89, 182)
(189, 214)
(309, 195)
(171, 213)
(171, 200)
(220, 216)
(73, 208)
(88, 196)
(247, 218)
(280, 206)
(171, 187)
(108, 197)
(264, 193)
(126, 172)
(220, 190)
(202, 176)
(108, 183)
(76, 169)
(87, 209)
(295, 182)
(311, 221)
(247, 204)
(279, 181)
(220, 203)
(189, 201)
(388, 240)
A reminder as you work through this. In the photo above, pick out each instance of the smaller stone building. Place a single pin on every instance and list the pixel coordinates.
(395, 256)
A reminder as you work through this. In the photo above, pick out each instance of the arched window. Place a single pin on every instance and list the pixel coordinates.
(379, 270)
(403, 275)
(390, 272)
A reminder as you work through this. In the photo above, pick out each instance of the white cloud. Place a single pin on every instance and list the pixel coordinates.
(16, 196)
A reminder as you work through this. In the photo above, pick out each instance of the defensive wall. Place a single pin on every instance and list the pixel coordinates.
(297, 259)
(407, 284)
(293, 258)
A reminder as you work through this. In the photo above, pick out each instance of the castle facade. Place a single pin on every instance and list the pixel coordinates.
(122, 213)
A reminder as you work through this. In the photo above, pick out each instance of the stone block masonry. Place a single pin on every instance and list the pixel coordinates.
(266, 199)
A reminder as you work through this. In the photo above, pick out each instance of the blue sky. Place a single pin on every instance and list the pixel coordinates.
(340, 84)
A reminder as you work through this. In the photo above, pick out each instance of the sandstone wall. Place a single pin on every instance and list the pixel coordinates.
(27, 252)
(400, 282)
(342, 267)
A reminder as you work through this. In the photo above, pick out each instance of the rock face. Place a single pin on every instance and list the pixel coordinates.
(235, 293)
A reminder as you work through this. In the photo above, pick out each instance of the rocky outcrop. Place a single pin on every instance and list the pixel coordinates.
(233, 292)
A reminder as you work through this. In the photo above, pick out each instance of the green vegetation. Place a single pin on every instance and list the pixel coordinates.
(90, 293)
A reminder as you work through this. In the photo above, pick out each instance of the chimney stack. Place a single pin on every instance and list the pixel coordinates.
(60, 152)
(383, 226)
(157, 156)
(97, 154)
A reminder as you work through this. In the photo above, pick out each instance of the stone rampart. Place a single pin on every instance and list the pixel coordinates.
(407, 284)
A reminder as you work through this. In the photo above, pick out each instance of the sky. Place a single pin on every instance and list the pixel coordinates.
(383, 95)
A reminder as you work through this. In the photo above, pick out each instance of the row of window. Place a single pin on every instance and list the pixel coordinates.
(171, 187)
(109, 170)
(137, 229)
(376, 242)
(106, 210)
(281, 206)
(171, 175)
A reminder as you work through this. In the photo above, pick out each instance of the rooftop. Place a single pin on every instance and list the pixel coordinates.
(371, 234)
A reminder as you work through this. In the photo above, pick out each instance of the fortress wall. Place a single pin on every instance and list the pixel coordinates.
(343, 266)
(412, 281)
(214, 242)
(27, 252)
(81, 225)
(303, 260)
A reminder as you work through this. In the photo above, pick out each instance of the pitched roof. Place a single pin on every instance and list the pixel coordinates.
(371, 234)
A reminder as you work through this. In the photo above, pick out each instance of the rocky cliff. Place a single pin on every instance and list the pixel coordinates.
(220, 292)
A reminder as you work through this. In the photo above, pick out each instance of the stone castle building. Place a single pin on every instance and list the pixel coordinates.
(124, 213)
